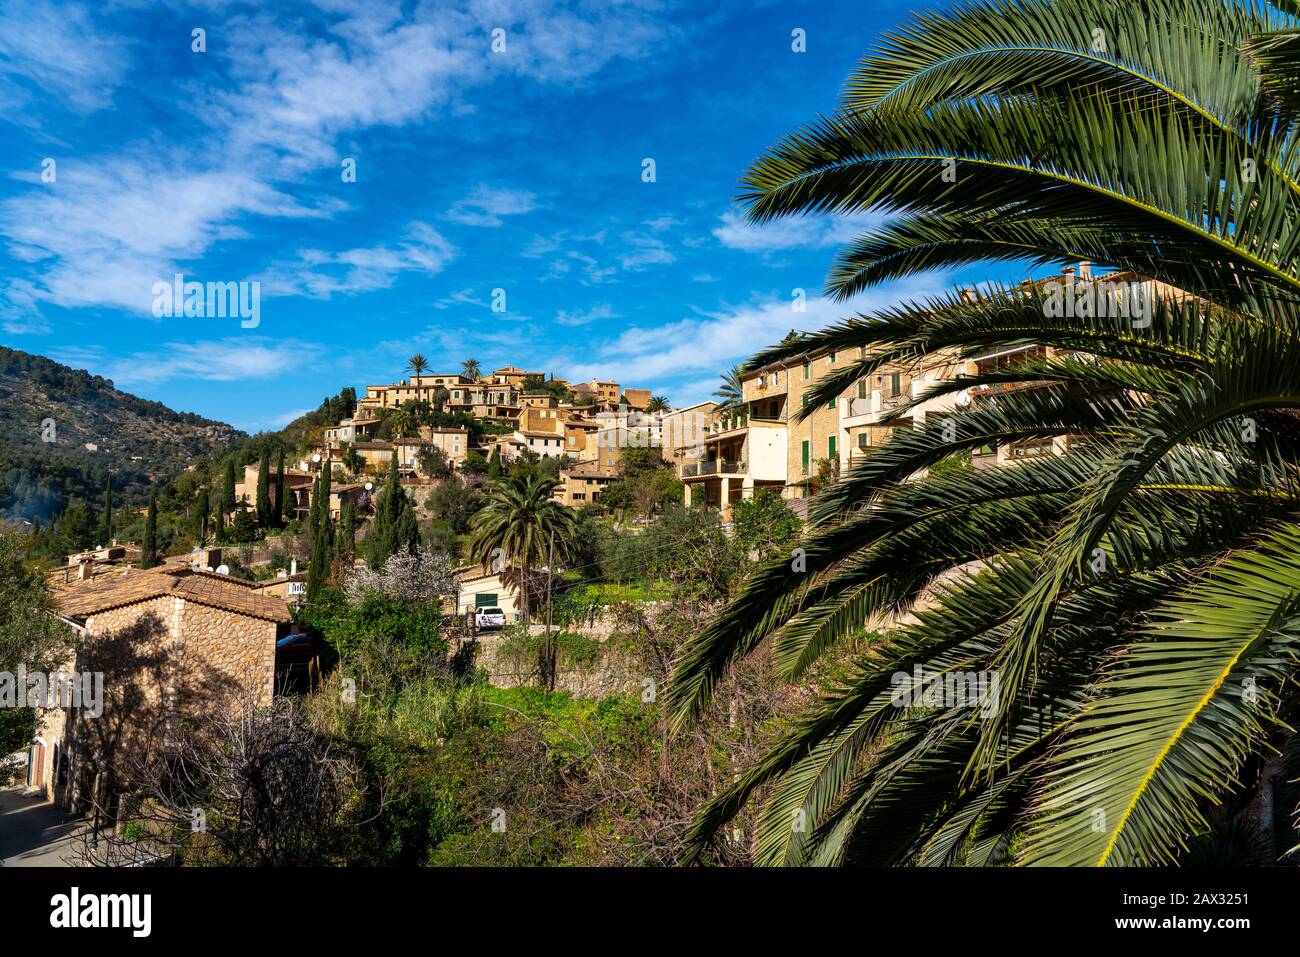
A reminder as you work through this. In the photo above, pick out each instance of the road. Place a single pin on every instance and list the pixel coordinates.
(34, 833)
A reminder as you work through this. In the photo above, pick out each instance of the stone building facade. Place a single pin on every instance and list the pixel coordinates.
(173, 646)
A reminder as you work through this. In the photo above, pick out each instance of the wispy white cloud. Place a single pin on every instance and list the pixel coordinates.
(320, 274)
(486, 205)
(61, 51)
(113, 224)
(641, 251)
(792, 232)
(223, 360)
(584, 317)
(270, 423)
(715, 340)
(103, 234)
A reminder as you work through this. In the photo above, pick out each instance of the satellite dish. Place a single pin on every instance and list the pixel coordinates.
(223, 569)
(370, 486)
(962, 399)
(316, 457)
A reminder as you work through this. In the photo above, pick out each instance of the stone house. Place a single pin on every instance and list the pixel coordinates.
(581, 484)
(171, 646)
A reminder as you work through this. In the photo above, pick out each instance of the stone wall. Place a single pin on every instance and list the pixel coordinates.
(167, 664)
(613, 671)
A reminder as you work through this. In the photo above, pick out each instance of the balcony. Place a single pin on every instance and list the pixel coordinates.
(712, 467)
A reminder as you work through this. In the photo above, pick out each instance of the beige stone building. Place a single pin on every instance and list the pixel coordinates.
(758, 444)
(171, 646)
(682, 433)
(580, 438)
(580, 484)
(513, 375)
(484, 400)
(454, 444)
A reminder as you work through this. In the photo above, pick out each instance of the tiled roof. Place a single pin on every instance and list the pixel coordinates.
(83, 599)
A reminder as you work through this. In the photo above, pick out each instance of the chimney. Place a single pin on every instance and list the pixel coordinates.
(1085, 270)
(1068, 271)
(293, 566)
(86, 570)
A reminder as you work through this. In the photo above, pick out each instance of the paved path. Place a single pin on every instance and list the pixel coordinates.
(34, 833)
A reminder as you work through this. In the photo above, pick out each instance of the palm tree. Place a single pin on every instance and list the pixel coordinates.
(417, 364)
(1135, 600)
(470, 369)
(517, 525)
(730, 393)
(405, 420)
(658, 403)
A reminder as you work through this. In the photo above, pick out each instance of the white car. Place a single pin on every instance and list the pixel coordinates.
(489, 616)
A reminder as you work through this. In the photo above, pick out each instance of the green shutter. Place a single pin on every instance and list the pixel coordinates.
(830, 447)
(805, 455)
(830, 404)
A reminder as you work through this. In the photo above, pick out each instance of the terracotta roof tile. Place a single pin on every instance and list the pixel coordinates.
(82, 599)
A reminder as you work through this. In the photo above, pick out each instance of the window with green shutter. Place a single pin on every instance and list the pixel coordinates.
(830, 404)
(830, 447)
(807, 370)
(805, 456)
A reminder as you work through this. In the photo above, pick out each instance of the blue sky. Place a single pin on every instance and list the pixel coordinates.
(475, 170)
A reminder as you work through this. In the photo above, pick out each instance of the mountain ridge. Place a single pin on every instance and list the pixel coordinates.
(64, 430)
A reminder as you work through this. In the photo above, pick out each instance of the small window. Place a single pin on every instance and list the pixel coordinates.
(831, 444)
(863, 438)
(807, 370)
(805, 400)
(862, 388)
(833, 358)
(830, 404)
(895, 383)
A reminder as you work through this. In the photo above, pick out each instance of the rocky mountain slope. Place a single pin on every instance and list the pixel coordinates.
(62, 430)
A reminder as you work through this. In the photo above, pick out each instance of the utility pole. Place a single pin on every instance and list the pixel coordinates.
(550, 578)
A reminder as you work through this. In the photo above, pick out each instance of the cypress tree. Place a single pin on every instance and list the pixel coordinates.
(348, 531)
(313, 508)
(322, 546)
(278, 516)
(228, 491)
(494, 463)
(204, 514)
(227, 504)
(383, 534)
(406, 537)
(264, 490)
(106, 522)
(149, 548)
